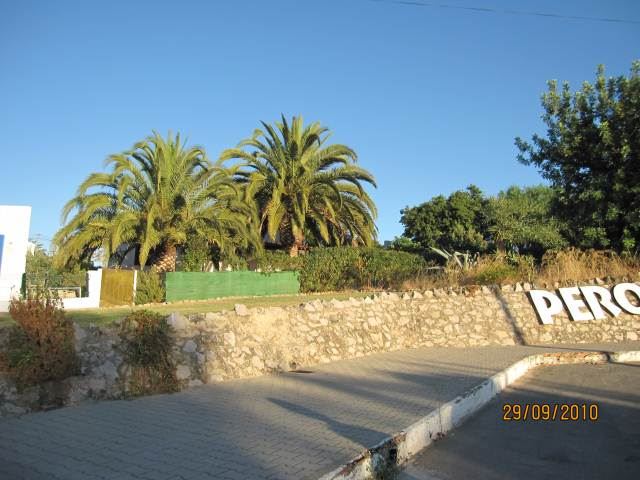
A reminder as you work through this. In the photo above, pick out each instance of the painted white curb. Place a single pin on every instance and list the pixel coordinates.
(399, 448)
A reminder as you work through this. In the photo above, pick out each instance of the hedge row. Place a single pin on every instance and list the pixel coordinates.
(341, 268)
(322, 269)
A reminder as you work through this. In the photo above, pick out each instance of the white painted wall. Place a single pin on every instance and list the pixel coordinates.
(14, 227)
(94, 284)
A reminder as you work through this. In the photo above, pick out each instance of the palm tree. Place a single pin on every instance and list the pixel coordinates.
(156, 196)
(304, 190)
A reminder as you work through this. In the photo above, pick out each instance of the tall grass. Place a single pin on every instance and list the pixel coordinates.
(574, 264)
(562, 266)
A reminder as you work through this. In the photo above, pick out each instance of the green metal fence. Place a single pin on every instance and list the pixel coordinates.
(205, 285)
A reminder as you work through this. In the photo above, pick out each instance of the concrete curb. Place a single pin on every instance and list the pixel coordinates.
(400, 447)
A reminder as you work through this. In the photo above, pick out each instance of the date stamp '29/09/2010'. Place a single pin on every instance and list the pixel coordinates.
(549, 412)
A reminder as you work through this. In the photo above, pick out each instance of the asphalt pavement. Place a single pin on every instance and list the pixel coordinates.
(488, 447)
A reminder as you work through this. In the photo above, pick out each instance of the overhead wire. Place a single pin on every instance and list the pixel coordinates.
(417, 3)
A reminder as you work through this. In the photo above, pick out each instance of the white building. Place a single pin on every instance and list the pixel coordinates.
(14, 239)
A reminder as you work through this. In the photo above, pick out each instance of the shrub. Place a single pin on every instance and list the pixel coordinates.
(340, 268)
(483, 270)
(493, 273)
(328, 269)
(197, 254)
(236, 263)
(271, 261)
(42, 272)
(150, 287)
(41, 346)
(525, 266)
(500, 268)
(378, 268)
(147, 345)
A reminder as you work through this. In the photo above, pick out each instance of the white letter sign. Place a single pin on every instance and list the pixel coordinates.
(595, 300)
(620, 294)
(598, 297)
(574, 305)
(547, 305)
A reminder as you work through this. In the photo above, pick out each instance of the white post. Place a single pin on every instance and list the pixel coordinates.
(135, 284)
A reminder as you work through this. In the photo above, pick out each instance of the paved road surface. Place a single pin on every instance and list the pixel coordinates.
(290, 426)
(488, 448)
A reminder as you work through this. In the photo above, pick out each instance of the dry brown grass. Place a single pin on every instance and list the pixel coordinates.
(564, 266)
(487, 270)
(580, 265)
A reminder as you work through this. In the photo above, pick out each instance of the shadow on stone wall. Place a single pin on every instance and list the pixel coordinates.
(511, 319)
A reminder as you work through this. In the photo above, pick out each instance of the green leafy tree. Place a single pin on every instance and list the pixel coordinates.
(591, 155)
(42, 272)
(405, 244)
(156, 196)
(39, 266)
(305, 190)
(456, 223)
(197, 254)
(520, 220)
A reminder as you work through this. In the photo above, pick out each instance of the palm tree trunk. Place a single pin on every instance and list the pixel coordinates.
(297, 245)
(286, 237)
(167, 261)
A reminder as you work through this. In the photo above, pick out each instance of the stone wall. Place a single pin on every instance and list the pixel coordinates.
(246, 342)
(249, 342)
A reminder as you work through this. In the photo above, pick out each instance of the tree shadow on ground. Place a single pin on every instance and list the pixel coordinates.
(357, 433)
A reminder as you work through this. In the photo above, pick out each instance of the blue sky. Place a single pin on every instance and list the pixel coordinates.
(431, 98)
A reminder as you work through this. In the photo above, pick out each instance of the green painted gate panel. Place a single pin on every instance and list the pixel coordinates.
(205, 285)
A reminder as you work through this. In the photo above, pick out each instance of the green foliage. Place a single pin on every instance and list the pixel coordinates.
(271, 261)
(378, 268)
(41, 346)
(41, 272)
(516, 220)
(339, 268)
(197, 254)
(591, 155)
(236, 263)
(405, 244)
(462, 261)
(328, 269)
(525, 265)
(495, 274)
(156, 196)
(456, 223)
(304, 190)
(149, 287)
(147, 346)
(521, 220)
(500, 268)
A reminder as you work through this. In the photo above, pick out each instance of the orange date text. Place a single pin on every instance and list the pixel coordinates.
(549, 412)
